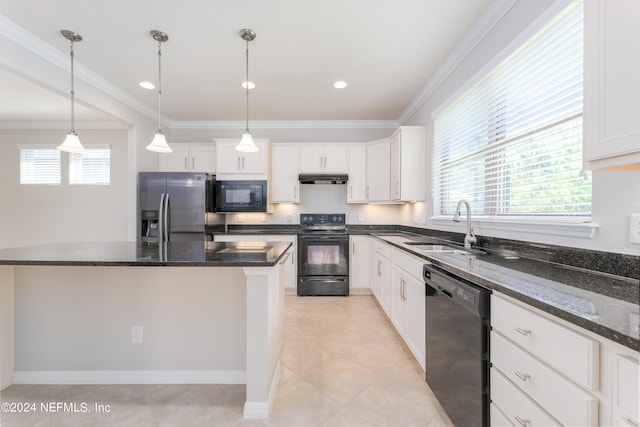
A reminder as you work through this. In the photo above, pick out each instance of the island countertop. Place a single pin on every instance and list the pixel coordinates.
(133, 254)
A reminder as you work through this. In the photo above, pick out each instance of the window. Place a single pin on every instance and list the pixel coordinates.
(91, 167)
(39, 165)
(512, 144)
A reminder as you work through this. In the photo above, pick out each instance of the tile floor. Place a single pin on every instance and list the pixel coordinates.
(343, 364)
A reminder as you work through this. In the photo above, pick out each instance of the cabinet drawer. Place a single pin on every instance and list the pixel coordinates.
(519, 409)
(627, 378)
(382, 248)
(498, 418)
(568, 351)
(558, 396)
(408, 263)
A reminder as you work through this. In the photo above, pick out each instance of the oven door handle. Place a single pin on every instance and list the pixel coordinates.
(323, 280)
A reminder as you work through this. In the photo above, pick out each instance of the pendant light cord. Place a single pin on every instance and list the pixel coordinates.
(247, 83)
(159, 82)
(73, 94)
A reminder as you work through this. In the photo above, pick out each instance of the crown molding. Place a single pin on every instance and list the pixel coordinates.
(286, 124)
(60, 124)
(40, 48)
(494, 13)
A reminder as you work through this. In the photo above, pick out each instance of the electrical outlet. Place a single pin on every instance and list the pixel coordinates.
(634, 228)
(360, 217)
(137, 335)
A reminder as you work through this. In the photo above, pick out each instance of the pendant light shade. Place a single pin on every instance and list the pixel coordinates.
(159, 143)
(246, 144)
(72, 143)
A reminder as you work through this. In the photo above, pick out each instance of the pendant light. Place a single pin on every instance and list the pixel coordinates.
(159, 142)
(246, 144)
(72, 143)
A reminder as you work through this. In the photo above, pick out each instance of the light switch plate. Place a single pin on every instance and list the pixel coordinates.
(634, 228)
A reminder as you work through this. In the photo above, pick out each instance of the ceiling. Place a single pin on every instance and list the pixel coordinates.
(385, 50)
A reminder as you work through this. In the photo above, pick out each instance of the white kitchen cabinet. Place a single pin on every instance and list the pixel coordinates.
(285, 185)
(331, 158)
(290, 265)
(407, 164)
(611, 84)
(235, 165)
(626, 387)
(378, 171)
(189, 158)
(357, 185)
(408, 301)
(359, 262)
(382, 274)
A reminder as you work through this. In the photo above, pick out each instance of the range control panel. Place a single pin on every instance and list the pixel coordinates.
(322, 219)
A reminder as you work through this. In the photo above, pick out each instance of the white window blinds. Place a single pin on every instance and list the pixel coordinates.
(39, 165)
(512, 144)
(91, 167)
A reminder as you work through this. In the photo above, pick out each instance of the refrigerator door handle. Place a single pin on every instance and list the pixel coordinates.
(166, 217)
(161, 219)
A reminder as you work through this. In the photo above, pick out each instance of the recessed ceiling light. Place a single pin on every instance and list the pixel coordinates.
(147, 85)
(252, 85)
(340, 84)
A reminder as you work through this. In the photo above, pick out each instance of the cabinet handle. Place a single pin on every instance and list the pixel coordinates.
(350, 190)
(524, 332)
(353, 248)
(523, 423)
(523, 377)
(320, 162)
(379, 268)
(193, 163)
(294, 191)
(367, 195)
(243, 163)
(239, 163)
(186, 167)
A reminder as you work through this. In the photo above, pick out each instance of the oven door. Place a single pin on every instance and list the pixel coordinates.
(323, 255)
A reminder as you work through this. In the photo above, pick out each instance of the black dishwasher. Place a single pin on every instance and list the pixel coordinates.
(457, 345)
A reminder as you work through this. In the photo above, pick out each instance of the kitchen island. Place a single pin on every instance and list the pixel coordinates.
(74, 313)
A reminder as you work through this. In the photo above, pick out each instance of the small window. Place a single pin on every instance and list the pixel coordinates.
(39, 165)
(92, 167)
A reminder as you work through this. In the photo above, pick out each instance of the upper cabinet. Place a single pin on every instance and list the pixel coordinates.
(378, 171)
(407, 170)
(330, 158)
(285, 187)
(189, 158)
(235, 165)
(356, 190)
(611, 85)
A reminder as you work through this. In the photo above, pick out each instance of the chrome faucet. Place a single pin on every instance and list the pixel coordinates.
(469, 238)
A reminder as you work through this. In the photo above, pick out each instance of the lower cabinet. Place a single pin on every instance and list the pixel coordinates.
(546, 371)
(359, 264)
(399, 289)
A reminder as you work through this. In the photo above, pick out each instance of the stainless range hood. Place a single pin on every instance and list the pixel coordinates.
(323, 178)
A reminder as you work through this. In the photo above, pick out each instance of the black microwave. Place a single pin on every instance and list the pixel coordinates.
(241, 196)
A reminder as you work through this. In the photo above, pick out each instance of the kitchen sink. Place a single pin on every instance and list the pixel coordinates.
(433, 248)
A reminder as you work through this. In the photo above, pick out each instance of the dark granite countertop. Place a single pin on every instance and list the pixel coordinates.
(135, 254)
(602, 303)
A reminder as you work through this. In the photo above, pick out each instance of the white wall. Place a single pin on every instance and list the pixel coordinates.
(615, 194)
(34, 214)
(80, 319)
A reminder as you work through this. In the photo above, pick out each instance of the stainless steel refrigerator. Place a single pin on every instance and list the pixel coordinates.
(172, 206)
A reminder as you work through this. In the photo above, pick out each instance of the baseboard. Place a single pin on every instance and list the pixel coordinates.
(262, 410)
(360, 291)
(130, 377)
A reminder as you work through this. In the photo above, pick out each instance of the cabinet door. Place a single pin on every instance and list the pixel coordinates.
(359, 262)
(611, 83)
(395, 146)
(227, 159)
(382, 281)
(335, 159)
(378, 170)
(203, 158)
(284, 169)
(626, 386)
(254, 162)
(176, 161)
(356, 192)
(415, 327)
(398, 305)
(311, 159)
